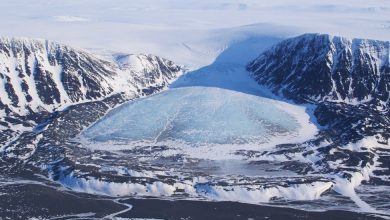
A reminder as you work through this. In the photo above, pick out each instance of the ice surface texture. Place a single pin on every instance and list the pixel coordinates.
(195, 116)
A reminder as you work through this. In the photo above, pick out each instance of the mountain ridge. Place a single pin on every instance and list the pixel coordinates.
(50, 74)
(39, 79)
(348, 70)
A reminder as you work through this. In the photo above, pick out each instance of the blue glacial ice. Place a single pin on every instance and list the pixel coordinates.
(196, 116)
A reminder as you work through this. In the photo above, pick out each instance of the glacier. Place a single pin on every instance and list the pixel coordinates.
(199, 118)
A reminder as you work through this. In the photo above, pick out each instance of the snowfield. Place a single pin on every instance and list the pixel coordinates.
(191, 33)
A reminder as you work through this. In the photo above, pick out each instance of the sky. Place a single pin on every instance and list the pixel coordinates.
(190, 32)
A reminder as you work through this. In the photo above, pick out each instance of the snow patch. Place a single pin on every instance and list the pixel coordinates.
(96, 186)
(253, 194)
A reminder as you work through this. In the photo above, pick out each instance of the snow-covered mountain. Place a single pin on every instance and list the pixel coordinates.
(40, 76)
(347, 81)
(43, 81)
(319, 67)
